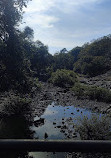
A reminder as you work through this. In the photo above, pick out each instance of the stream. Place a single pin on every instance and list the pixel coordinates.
(56, 123)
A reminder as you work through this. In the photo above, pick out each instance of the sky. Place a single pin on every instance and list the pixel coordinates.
(68, 23)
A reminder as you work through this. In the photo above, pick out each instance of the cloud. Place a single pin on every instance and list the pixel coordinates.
(45, 5)
(35, 14)
(68, 23)
(43, 21)
(39, 6)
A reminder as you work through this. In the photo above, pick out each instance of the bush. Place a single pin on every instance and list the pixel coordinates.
(95, 128)
(79, 89)
(101, 94)
(92, 92)
(15, 105)
(63, 78)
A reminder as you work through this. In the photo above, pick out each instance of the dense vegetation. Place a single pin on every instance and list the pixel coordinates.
(94, 128)
(92, 92)
(63, 78)
(23, 61)
(95, 58)
(91, 59)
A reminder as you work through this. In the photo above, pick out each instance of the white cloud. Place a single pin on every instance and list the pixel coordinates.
(81, 2)
(44, 5)
(39, 6)
(68, 23)
(44, 21)
(35, 14)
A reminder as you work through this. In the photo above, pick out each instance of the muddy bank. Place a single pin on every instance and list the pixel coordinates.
(64, 97)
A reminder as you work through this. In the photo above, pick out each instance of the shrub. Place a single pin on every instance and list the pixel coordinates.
(15, 105)
(63, 78)
(92, 92)
(101, 94)
(95, 128)
(79, 89)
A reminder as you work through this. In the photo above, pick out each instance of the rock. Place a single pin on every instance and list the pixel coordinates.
(58, 126)
(39, 122)
(65, 90)
(64, 127)
(95, 107)
(65, 134)
(45, 135)
(63, 131)
(74, 136)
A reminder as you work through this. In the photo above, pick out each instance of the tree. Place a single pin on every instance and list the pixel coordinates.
(64, 50)
(28, 33)
(95, 58)
(10, 16)
(12, 54)
(63, 61)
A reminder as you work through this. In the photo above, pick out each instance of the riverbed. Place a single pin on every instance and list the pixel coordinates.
(54, 114)
(58, 123)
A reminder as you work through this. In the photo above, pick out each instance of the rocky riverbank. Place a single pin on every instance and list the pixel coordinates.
(46, 95)
(103, 81)
(64, 97)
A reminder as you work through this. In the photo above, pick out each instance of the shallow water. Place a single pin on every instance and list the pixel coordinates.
(57, 122)
(55, 118)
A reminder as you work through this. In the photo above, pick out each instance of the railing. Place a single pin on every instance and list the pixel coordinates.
(55, 146)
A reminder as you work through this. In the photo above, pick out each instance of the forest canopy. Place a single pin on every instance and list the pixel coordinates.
(22, 59)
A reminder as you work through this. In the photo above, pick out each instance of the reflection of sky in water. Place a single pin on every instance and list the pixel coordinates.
(56, 113)
(47, 155)
(48, 127)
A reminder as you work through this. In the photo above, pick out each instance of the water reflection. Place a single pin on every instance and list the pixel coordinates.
(57, 122)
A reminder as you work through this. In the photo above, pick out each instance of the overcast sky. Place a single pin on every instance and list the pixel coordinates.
(68, 23)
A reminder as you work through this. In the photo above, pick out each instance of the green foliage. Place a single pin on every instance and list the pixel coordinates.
(28, 33)
(95, 58)
(39, 58)
(79, 89)
(92, 92)
(14, 104)
(75, 53)
(14, 65)
(21, 59)
(101, 94)
(63, 78)
(91, 59)
(95, 128)
(35, 83)
(63, 61)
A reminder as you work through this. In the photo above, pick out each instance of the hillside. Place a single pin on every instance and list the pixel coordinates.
(91, 59)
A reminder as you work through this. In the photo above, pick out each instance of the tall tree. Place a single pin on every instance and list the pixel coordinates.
(11, 12)
(12, 56)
